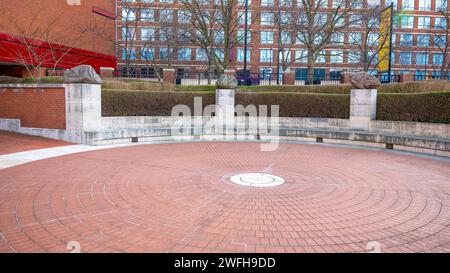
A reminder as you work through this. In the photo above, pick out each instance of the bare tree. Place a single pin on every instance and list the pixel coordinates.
(213, 26)
(441, 38)
(315, 23)
(42, 44)
(367, 42)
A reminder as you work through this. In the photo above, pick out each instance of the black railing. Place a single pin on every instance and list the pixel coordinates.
(385, 78)
(423, 77)
(196, 78)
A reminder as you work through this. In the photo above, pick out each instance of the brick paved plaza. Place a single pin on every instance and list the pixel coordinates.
(178, 198)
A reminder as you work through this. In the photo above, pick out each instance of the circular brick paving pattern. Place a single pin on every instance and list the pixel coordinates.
(179, 198)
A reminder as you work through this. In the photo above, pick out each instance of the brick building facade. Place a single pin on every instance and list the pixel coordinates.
(80, 31)
(419, 36)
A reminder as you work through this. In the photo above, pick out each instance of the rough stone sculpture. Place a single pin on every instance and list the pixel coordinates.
(226, 82)
(362, 80)
(82, 74)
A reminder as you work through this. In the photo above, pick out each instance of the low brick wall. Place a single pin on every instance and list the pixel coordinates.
(36, 107)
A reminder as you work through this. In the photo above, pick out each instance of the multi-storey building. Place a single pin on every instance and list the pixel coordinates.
(54, 35)
(419, 39)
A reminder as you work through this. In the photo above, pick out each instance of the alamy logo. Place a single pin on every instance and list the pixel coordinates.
(73, 2)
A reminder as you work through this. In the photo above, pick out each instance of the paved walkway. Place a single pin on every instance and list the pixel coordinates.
(13, 143)
(178, 198)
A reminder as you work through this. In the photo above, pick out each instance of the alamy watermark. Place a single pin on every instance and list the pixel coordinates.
(228, 122)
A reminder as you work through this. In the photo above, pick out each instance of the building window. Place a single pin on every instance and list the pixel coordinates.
(148, 15)
(200, 55)
(424, 22)
(425, 5)
(440, 23)
(266, 55)
(240, 55)
(301, 56)
(407, 21)
(354, 57)
(407, 4)
(423, 40)
(406, 40)
(336, 56)
(184, 54)
(438, 58)
(147, 54)
(267, 37)
(241, 35)
(440, 41)
(148, 34)
(422, 58)
(405, 58)
(266, 18)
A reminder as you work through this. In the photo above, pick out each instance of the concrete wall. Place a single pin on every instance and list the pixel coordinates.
(84, 124)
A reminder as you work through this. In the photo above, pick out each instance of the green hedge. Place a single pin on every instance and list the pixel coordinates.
(8, 79)
(145, 103)
(300, 104)
(425, 107)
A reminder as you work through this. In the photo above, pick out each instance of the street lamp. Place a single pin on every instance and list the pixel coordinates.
(245, 42)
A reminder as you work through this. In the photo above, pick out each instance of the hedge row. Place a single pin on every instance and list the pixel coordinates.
(8, 79)
(300, 104)
(144, 103)
(425, 107)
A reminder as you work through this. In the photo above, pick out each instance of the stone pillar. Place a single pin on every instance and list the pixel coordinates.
(289, 77)
(225, 102)
(106, 72)
(169, 75)
(363, 108)
(406, 77)
(83, 108)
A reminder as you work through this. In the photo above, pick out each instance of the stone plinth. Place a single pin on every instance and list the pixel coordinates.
(169, 75)
(363, 108)
(289, 78)
(106, 72)
(225, 101)
(406, 78)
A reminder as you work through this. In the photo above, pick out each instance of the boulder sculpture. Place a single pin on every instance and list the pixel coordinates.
(82, 74)
(363, 80)
(226, 82)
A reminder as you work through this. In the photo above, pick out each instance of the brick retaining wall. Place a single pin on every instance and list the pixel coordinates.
(35, 107)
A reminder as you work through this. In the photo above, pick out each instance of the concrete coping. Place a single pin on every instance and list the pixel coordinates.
(107, 68)
(32, 85)
(168, 69)
(40, 85)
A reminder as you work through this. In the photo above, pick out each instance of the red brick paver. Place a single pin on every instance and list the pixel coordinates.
(14, 143)
(177, 198)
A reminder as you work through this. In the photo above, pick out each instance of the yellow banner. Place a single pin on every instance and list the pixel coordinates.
(384, 51)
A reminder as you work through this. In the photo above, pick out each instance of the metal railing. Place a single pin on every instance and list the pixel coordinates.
(423, 77)
(385, 78)
(196, 78)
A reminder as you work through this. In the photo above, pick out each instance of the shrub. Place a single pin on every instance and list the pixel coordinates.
(300, 104)
(145, 103)
(8, 79)
(52, 79)
(137, 85)
(415, 87)
(423, 107)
